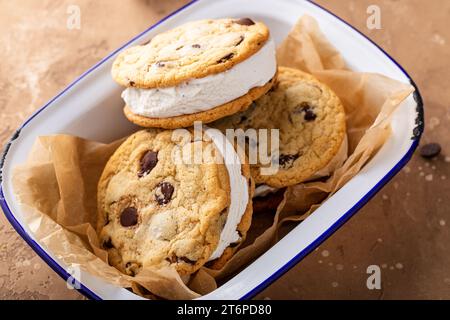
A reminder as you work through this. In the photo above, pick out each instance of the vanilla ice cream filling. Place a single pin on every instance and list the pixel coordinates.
(197, 95)
(239, 192)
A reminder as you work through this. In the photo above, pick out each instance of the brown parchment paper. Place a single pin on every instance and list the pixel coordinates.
(56, 187)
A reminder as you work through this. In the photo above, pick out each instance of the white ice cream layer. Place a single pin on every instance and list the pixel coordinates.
(239, 192)
(206, 93)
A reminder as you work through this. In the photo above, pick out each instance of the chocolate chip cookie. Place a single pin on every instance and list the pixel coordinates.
(310, 120)
(158, 207)
(193, 50)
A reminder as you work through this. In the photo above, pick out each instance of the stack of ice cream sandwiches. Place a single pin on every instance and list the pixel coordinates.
(178, 194)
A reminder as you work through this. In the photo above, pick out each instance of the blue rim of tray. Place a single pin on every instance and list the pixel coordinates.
(416, 135)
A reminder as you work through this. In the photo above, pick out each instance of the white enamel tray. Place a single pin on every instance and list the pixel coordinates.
(80, 110)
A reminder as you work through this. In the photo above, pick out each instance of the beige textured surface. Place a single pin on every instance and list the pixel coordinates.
(404, 229)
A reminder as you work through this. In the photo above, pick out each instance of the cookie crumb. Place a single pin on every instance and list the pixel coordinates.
(429, 177)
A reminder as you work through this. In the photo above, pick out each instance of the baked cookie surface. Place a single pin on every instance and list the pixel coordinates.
(311, 123)
(193, 50)
(155, 209)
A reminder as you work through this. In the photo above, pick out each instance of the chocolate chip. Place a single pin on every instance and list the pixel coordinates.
(164, 193)
(180, 47)
(107, 221)
(430, 150)
(148, 162)
(287, 160)
(302, 107)
(175, 259)
(186, 260)
(245, 22)
(107, 244)
(132, 83)
(196, 46)
(305, 107)
(310, 115)
(160, 64)
(240, 41)
(226, 58)
(129, 217)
